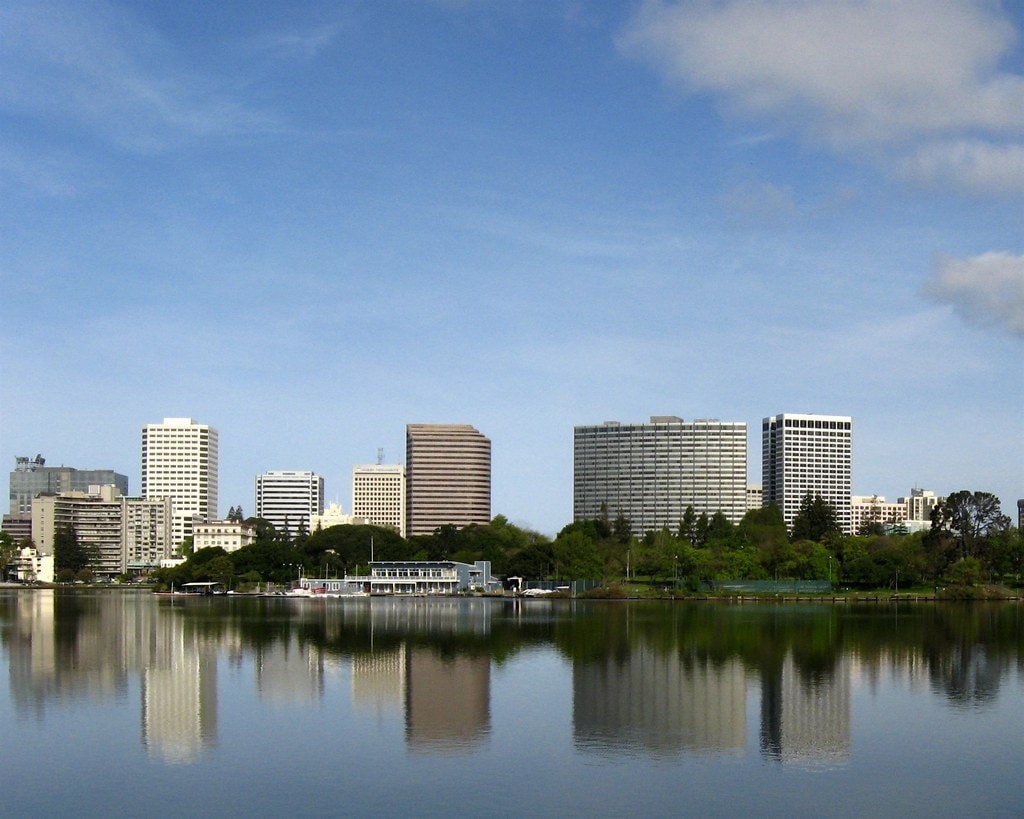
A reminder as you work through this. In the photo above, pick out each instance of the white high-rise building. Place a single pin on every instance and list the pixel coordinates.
(920, 504)
(378, 495)
(804, 454)
(289, 499)
(652, 472)
(179, 461)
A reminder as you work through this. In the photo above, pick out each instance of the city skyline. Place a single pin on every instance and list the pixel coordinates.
(307, 225)
(916, 502)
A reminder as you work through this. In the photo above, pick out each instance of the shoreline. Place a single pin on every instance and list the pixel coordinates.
(834, 599)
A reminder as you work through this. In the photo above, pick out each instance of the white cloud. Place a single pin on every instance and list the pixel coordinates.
(857, 74)
(987, 290)
(969, 165)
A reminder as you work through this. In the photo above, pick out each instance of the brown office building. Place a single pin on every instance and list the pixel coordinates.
(448, 477)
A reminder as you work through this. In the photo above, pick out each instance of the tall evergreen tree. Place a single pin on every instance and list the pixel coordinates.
(816, 520)
(68, 553)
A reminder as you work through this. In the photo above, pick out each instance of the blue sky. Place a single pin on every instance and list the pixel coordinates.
(309, 224)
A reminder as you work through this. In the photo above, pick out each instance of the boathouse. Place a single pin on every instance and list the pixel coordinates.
(430, 577)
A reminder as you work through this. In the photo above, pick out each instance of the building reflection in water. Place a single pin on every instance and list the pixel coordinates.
(179, 691)
(378, 681)
(288, 672)
(806, 718)
(669, 687)
(66, 647)
(447, 700)
(444, 691)
(654, 701)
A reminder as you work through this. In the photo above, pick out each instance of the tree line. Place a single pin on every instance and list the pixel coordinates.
(970, 542)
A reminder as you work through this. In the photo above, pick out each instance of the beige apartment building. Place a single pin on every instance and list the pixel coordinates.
(378, 495)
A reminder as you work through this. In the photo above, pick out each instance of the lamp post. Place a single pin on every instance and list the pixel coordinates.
(830, 572)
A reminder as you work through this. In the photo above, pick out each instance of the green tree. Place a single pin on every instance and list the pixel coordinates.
(8, 553)
(815, 520)
(220, 568)
(764, 528)
(263, 529)
(700, 531)
(622, 529)
(688, 526)
(68, 553)
(534, 561)
(1006, 554)
(576, 557)
(965, 572)
(720, 530)
(969, 519)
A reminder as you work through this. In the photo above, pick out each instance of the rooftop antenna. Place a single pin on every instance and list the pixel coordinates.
(380, 455)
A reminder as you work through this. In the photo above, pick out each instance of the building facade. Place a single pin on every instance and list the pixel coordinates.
(31, 477)
(652, 472)
(229, 535)
(378, 495)
(179, 461)
(122, 535)
(804, 454)
(920, 503)
(868, 511)
(289, 499)
(430, 577)
(147, 533)
(334, 515)
(448, 477)
(96, 518)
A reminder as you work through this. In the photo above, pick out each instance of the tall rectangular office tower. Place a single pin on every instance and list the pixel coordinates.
(378, 495)
(448, 477)
(179, 461)
(651, 472)
(807, 453)
(289, 499)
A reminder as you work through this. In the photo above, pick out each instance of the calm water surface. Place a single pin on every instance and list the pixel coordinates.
(120, 703)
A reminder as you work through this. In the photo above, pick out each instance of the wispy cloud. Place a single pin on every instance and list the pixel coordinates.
(858, 76)
(305, 42)
(91, 63)
(51, 176)
(986, 290)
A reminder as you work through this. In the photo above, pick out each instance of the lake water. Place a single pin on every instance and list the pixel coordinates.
(122, 703)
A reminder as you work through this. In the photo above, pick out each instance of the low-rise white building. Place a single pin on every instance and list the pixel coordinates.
(334, 516)
(229, 535)
(33, 567)
(430, 577)
(866, 510)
